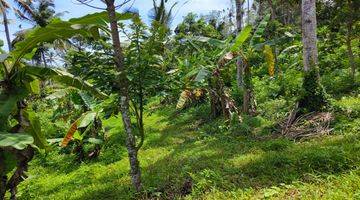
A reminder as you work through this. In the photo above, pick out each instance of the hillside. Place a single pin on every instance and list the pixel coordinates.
(185, 157)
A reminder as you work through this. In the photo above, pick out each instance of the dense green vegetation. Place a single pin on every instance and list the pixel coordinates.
(222, 163)
(264, 104)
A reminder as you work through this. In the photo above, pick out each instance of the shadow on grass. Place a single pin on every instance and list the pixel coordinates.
(231, 165)
(219, 161)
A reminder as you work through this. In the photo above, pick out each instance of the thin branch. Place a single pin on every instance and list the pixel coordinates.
(132, 4)
(123, 3)
(87, 3)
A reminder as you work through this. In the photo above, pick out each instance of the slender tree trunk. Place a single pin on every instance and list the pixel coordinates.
(272, 9)
(310, 51)
(260, 9)
(351, 57)
(248, 12)
(43, 57)
(6, 25)
(239, 63)
(124, 103)
(239, 72)
(215, 92)
(248, 97)
(239, 14)
(348, 43)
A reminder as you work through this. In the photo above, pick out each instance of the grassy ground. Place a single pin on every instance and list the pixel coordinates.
(183, 149)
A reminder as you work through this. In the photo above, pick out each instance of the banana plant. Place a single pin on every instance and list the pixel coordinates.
(84, 131)
(20, 128)
(193, 70)
(221, 101)
(237, 50)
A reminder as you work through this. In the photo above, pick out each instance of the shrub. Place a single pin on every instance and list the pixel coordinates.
(314, 97)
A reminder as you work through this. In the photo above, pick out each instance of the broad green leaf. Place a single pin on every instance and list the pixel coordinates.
(202, 74)
(58, 29)
(100, 18)
(86, 119)
(77, 136)
(211, 41)
(95, 32)
(35, 86)
(8, 104)
(260, 31)
(35, 130)
(9, 160)
(89, 102)
(64, 78)
(241, 38)
(17, 140)
(57, 94)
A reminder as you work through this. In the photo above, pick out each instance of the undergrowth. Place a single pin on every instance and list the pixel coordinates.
(187, 155)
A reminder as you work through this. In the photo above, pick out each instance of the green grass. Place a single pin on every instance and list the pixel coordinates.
(222, 165)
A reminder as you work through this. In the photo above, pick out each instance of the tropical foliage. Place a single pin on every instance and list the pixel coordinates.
(209, 108)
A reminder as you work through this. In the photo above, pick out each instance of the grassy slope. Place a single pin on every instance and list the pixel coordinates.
(221, 165)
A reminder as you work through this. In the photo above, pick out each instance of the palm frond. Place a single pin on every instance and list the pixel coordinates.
(5, 4)
(26, 7)
(21, 15)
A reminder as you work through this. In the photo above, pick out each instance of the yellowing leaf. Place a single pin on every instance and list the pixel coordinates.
(198, 93)
(69, 135)
(270, 60)
(184, 97)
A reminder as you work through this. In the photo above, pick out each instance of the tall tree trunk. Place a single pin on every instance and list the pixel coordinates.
(248, 12)
(310, 51)
(314, 97)
(239, 63)
(249, 106)
(124, 94)
(272, 9)
(351, 57)
(6, 25)
(348, 42)
(239, 14)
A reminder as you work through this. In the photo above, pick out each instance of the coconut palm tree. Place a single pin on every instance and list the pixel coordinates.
(3, 9)
(38, 13)
(161, 14)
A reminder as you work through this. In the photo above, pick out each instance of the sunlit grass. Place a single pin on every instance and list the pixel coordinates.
(220, 165)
